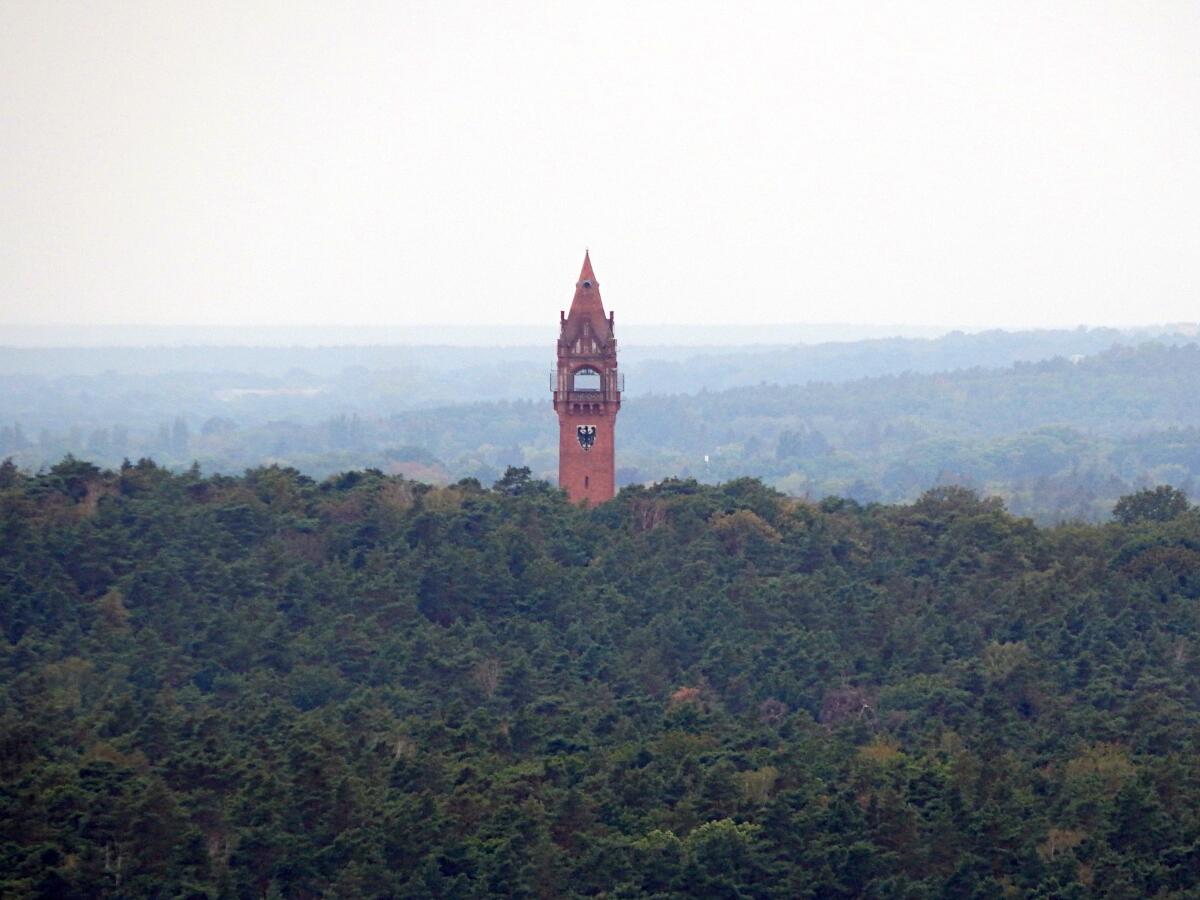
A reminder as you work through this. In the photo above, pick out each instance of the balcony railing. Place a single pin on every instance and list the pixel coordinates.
(593, 393)
(587, 396)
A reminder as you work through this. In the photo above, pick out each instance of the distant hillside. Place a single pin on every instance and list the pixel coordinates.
(1056, 437)
(518, 371)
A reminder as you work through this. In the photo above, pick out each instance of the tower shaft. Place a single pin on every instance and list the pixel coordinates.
(587, 395)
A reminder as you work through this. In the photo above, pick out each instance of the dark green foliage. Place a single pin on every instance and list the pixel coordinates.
(267, 686)
(1160, 504)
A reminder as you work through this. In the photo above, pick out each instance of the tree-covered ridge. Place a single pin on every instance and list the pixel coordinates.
(1059, 438)
(269, 686)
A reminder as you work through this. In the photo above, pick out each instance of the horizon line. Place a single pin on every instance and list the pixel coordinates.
(509, 335)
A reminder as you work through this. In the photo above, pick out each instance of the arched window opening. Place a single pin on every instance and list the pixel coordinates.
(586, 380)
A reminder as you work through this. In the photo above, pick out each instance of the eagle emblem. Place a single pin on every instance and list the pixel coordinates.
(587, 436)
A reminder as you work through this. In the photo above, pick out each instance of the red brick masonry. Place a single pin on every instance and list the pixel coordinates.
(586, 341)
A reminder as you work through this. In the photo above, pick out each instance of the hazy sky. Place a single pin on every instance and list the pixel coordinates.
(974, 164)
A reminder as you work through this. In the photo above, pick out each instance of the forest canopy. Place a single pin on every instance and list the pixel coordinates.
(270, 685)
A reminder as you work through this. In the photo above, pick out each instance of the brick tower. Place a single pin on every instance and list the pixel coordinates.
(587, 395)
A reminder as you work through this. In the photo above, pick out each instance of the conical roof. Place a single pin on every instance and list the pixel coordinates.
(587, 306)
(586, 273)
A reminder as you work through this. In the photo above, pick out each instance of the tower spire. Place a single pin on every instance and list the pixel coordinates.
(586, 306)
(586, 273)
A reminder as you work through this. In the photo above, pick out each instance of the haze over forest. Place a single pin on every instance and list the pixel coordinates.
(1058, 424)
